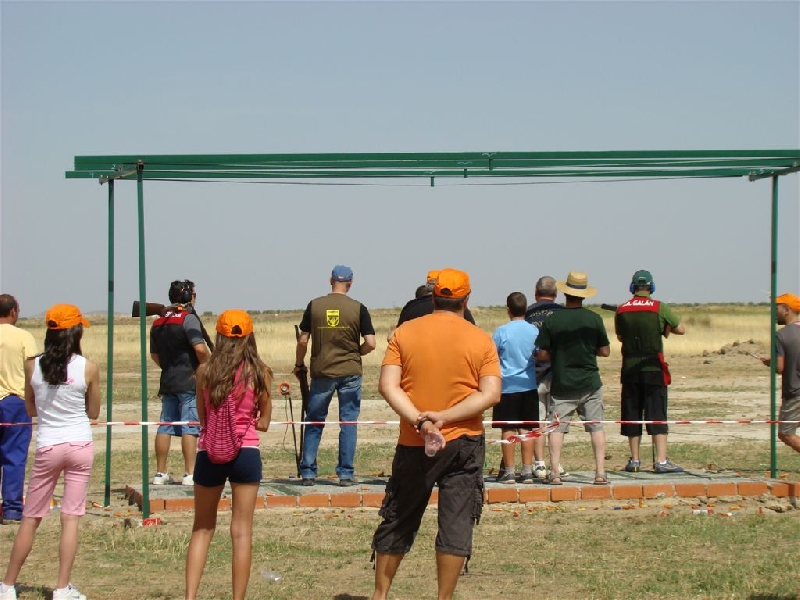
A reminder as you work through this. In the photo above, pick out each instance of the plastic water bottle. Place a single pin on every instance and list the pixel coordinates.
(270, 575)
(433, 442)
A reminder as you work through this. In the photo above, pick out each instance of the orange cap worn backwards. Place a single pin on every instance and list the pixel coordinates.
(452, 283)
(234, 323)
(64, 316)
(790, 300)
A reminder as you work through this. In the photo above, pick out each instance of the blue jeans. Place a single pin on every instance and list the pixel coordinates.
(181, 406)
(320, 394)
(14, 442)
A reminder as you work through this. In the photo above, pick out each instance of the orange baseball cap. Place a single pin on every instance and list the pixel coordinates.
(234, 323)
(790, 300)
(64, 316)
(452, 283)
(433, 276)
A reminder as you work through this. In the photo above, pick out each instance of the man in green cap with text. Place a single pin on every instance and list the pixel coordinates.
(641, 323)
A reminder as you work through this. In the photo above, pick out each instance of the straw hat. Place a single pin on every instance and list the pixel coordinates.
(577, 284)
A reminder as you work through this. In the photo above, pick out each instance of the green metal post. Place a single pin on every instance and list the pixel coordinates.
(773, 459)
(143, 342)
(110, 351)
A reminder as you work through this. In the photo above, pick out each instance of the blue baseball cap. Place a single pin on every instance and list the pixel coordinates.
(342, 273)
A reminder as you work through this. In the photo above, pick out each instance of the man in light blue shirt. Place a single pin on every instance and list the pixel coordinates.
(515, 343)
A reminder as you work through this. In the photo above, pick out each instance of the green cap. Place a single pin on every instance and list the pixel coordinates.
(642, 277)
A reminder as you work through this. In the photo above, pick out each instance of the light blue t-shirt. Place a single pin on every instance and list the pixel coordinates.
(515, 343)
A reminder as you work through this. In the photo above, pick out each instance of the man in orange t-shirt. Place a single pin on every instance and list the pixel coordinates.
(439, 374)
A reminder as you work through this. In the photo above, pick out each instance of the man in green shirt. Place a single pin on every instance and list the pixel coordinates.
(572, 339)
(641, 323)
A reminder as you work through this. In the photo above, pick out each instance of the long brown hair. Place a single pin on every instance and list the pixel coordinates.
(221, 368)
(59, 346)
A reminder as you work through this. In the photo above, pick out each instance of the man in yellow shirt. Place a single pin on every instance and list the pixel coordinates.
(16, 346)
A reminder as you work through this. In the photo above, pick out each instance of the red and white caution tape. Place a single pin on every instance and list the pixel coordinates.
(509, 423)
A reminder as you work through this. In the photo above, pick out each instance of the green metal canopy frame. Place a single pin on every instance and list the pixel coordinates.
(546, 166)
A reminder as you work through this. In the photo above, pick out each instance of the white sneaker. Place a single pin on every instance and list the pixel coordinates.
(9, 594)
(68, 593)
(561, 471)
(188, 479)
(162, 479)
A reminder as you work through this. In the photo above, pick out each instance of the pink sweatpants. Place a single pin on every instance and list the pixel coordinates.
(75, 460)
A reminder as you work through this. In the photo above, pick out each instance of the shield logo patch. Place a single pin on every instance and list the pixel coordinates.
(332, 317)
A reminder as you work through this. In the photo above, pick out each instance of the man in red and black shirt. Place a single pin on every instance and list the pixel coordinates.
(641, 323)
(177, 346)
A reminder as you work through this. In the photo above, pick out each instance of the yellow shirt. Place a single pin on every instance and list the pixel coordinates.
(16, 345)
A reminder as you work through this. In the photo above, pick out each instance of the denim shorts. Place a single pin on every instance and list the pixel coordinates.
(245, 468)
(179, 407)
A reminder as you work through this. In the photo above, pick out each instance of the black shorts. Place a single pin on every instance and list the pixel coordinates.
(458, 471)
(644, 399)
(517, 406)
(245, 468)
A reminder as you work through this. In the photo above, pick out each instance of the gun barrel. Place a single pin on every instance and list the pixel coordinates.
(150, 309)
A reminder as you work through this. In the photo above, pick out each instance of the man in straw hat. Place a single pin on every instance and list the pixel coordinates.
(572, 339)
(787, 352)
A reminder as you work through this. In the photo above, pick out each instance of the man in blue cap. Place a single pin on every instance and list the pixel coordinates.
(641, 323)
(335, 324)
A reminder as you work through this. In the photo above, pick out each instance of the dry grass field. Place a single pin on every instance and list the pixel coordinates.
(570, 550)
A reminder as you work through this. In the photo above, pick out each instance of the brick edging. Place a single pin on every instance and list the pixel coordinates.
(511, 494)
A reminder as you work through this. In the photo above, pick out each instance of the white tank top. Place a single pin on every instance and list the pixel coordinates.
(62, 408)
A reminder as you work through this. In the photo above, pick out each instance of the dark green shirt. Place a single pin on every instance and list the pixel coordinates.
(642, 333)
(572, 337)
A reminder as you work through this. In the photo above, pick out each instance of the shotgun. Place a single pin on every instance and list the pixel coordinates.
(302, 378)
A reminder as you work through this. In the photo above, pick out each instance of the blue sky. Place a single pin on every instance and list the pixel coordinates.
(257, 77)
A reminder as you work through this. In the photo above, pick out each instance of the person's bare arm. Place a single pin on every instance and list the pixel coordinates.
(155, 358)
(200, 402)
(396, 398)
(369, 344)
(678, 330)
(264, 411)
(779, 363)
(603, 351)
(542, 356)
(486, 396)
(92, 375)
(30, 399)
(301, 350)
(202, 352)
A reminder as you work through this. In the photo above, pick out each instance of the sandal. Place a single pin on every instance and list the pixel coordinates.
(600, 480)
(553, 481)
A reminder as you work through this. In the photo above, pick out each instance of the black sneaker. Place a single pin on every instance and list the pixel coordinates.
(667, 467)
(633, 466)
(309, 481)
(347, 482)
(507, 477)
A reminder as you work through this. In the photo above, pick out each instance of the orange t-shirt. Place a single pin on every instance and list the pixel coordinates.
(443, 358)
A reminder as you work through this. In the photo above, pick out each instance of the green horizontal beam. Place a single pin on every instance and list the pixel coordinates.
(159, 174)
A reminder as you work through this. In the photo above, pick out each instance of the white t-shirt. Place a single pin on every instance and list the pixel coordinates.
(61, 408)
